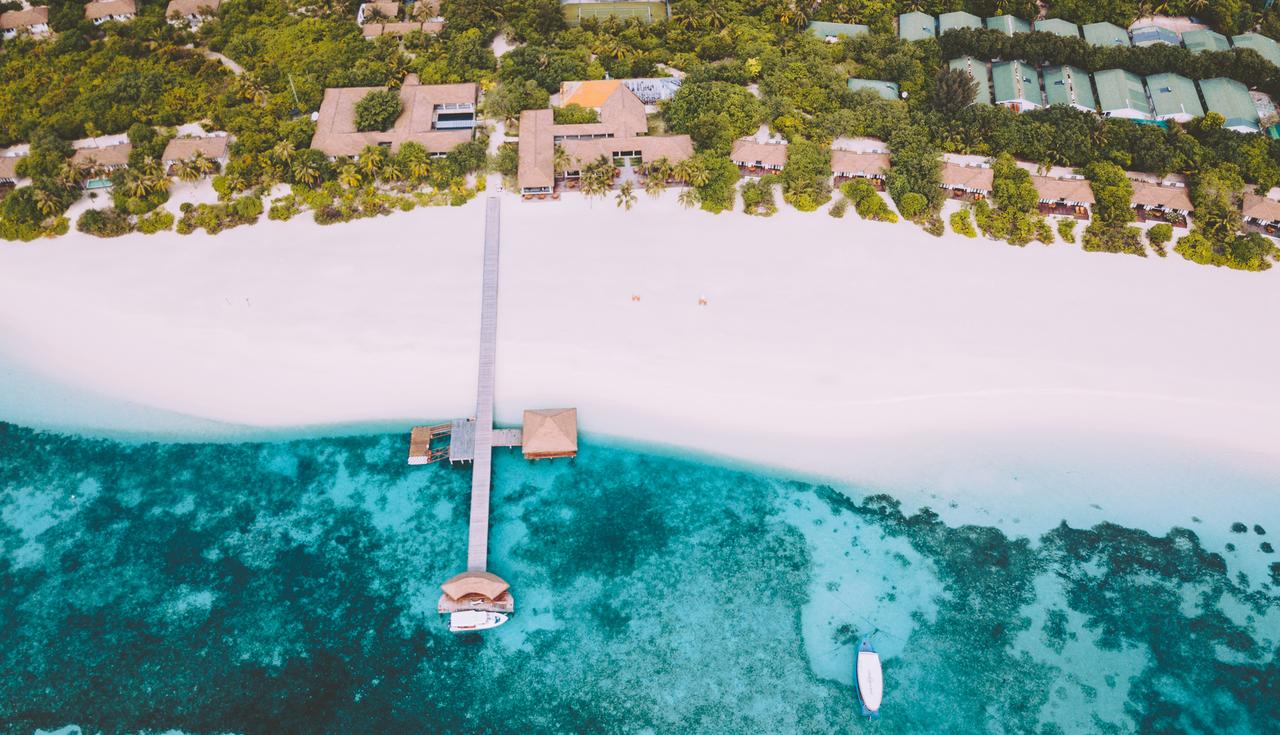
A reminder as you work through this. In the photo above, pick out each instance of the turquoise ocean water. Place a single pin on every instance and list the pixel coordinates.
(289, 586)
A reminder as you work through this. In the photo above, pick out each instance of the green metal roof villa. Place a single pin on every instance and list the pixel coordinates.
(887, 90)
(1269, 49)
(1106, 34)
(917, 26)
(1150, 35)
(956, 20)
(1174, 97)
(1008, 24)
(977, 70)
(1121, 94)
(1205, 40)
(1058, 27)
(1069, 85)
(1016, 85)
(1231, 99)
(833, 32)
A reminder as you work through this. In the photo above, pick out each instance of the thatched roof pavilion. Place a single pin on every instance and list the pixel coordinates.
(549, 433)
(475, 590)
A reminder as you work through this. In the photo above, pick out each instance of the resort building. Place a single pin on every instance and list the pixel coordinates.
(33, 21)
(377, 12)
(1161, 200)
(967, 177)
(1150, 35)
(8, 173)
(621, 134)
(650, 90)
(576, 11)
(1121, 94)
(886, 90)
(550, 433)
(191, 13)
(101, 11)
(1265, 47)
(957, 20)
(1008, 24)
(756, 159)
(917, 26)
(1231, 99)
(1261, 213)
(977, 70)
(1203, 39)
(98, 162)
(1016, 85)
(1062, 192)
(1069, 85)
(1057, 27)
(871, 166)
(214, 147)
(1105, 34)
(475, 593)
(440, 117)
(833, 32)
(1174, 97)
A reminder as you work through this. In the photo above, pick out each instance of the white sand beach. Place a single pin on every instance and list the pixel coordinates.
(836, 347)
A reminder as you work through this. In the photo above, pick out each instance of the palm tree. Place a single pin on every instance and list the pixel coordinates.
(305, 172)
(597, 176)
(692, 172)
(561, 161)
(392, 172)
(46, 202)
(626, 196)
(349, 176)
(186, 171)
(714, 14)
(203, 164)
(371, 160)
(69, 176)
(283, 151)
(137, 184)
(689, 198)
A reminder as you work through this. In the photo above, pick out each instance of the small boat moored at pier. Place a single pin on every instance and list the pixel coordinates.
(468, 620)
(869, 679)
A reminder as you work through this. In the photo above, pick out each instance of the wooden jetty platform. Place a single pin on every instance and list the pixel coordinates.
(550, 432)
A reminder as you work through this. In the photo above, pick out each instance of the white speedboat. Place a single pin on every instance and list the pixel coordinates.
(869, 678)
(465, 621)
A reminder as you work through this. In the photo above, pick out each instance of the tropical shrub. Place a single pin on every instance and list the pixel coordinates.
(104, 223)
(158, 221)
(962, 223)
(378, 110)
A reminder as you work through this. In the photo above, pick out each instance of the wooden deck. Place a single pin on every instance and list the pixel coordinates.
(420, 440)
(481, 468)
(507, 437)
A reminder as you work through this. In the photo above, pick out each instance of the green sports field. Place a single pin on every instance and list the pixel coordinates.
(647, 12)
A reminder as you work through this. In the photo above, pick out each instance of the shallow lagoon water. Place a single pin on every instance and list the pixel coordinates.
(290, 586)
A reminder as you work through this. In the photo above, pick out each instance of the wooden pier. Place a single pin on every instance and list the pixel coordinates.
(551, 433)
(481, 466)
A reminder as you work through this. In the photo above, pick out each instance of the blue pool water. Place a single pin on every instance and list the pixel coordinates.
(290, 586)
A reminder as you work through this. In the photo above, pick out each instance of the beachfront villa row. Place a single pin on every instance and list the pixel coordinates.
(33, 21)
(620, 134)
(1160, 200)
(191, 13)
(216, 147)
(439, 117)
(756, 158)
(1262, 213)
(101, 11)
(916, 26)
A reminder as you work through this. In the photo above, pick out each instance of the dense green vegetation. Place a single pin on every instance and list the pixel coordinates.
(746, 63)
(378, 110)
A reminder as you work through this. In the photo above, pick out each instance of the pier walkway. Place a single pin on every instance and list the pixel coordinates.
(481, 468)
